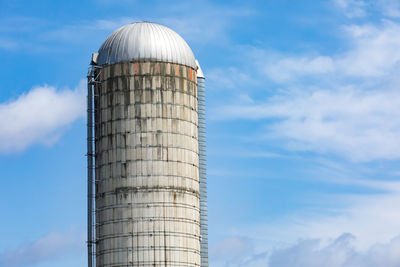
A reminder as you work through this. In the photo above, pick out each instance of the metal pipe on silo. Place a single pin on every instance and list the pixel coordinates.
(90, 157)
(92, 87)
(203, 167)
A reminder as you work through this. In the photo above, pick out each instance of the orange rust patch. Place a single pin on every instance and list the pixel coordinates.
(136, 68)
(190, 74)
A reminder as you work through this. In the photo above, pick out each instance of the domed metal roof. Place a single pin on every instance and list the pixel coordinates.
(145, 41)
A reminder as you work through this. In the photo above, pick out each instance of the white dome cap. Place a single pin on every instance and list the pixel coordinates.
(145, 41)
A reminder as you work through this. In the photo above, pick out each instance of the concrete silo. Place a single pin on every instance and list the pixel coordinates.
(146, 173)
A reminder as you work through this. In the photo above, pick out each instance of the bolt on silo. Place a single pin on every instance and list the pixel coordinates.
(146, 124)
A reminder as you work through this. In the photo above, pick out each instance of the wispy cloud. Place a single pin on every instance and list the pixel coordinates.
(6, 43)
(339, 252)
(351, 234)
(228, 78)
(356, 218)
(232, 248)
(46, 248)
(20, 24)
(288, 68)
(188, 21)
(209, 22)
(40, 35)
(351, 123)
(343, 104)
(390, 8)
(352, 8)
(360, 214)
(362, 8)
(373, 52)
(111, 25)
(117, 2)
(39, 116)
(78, 32)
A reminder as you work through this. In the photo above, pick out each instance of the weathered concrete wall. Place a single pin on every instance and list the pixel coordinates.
(147, 166)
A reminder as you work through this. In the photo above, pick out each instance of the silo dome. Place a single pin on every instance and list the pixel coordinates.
(145, 41)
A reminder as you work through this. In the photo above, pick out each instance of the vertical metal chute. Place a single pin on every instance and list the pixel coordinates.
(203, 167)
(92, 78)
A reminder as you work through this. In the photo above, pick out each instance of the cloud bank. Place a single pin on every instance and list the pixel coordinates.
(344, 104)
(373, 53)
(361, 126)
(338, 252)
(48, 247)
(39, 116)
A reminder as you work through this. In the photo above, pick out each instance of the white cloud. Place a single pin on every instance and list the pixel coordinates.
(360, 8)
(339, 252)
(371, 219)
(81, 31)
(363, 215)
(111, 25)
(39, 116)
(20, 24)
(232, 248)
(182, 17)
(285, 69)
(373, 52)
(46, 248)
(227, 78)
(117, 2)
(346, 105)
(8, 44)
(352, 8)
(207, 23)
(237, 251)
(358, 125)
(390, 8)
(312, 253)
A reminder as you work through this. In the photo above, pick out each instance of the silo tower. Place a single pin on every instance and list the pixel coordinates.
(147, 194)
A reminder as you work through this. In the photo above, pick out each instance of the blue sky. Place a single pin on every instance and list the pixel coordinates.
(303, 122)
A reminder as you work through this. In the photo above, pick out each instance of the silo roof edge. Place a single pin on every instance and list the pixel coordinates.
(160, 43)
